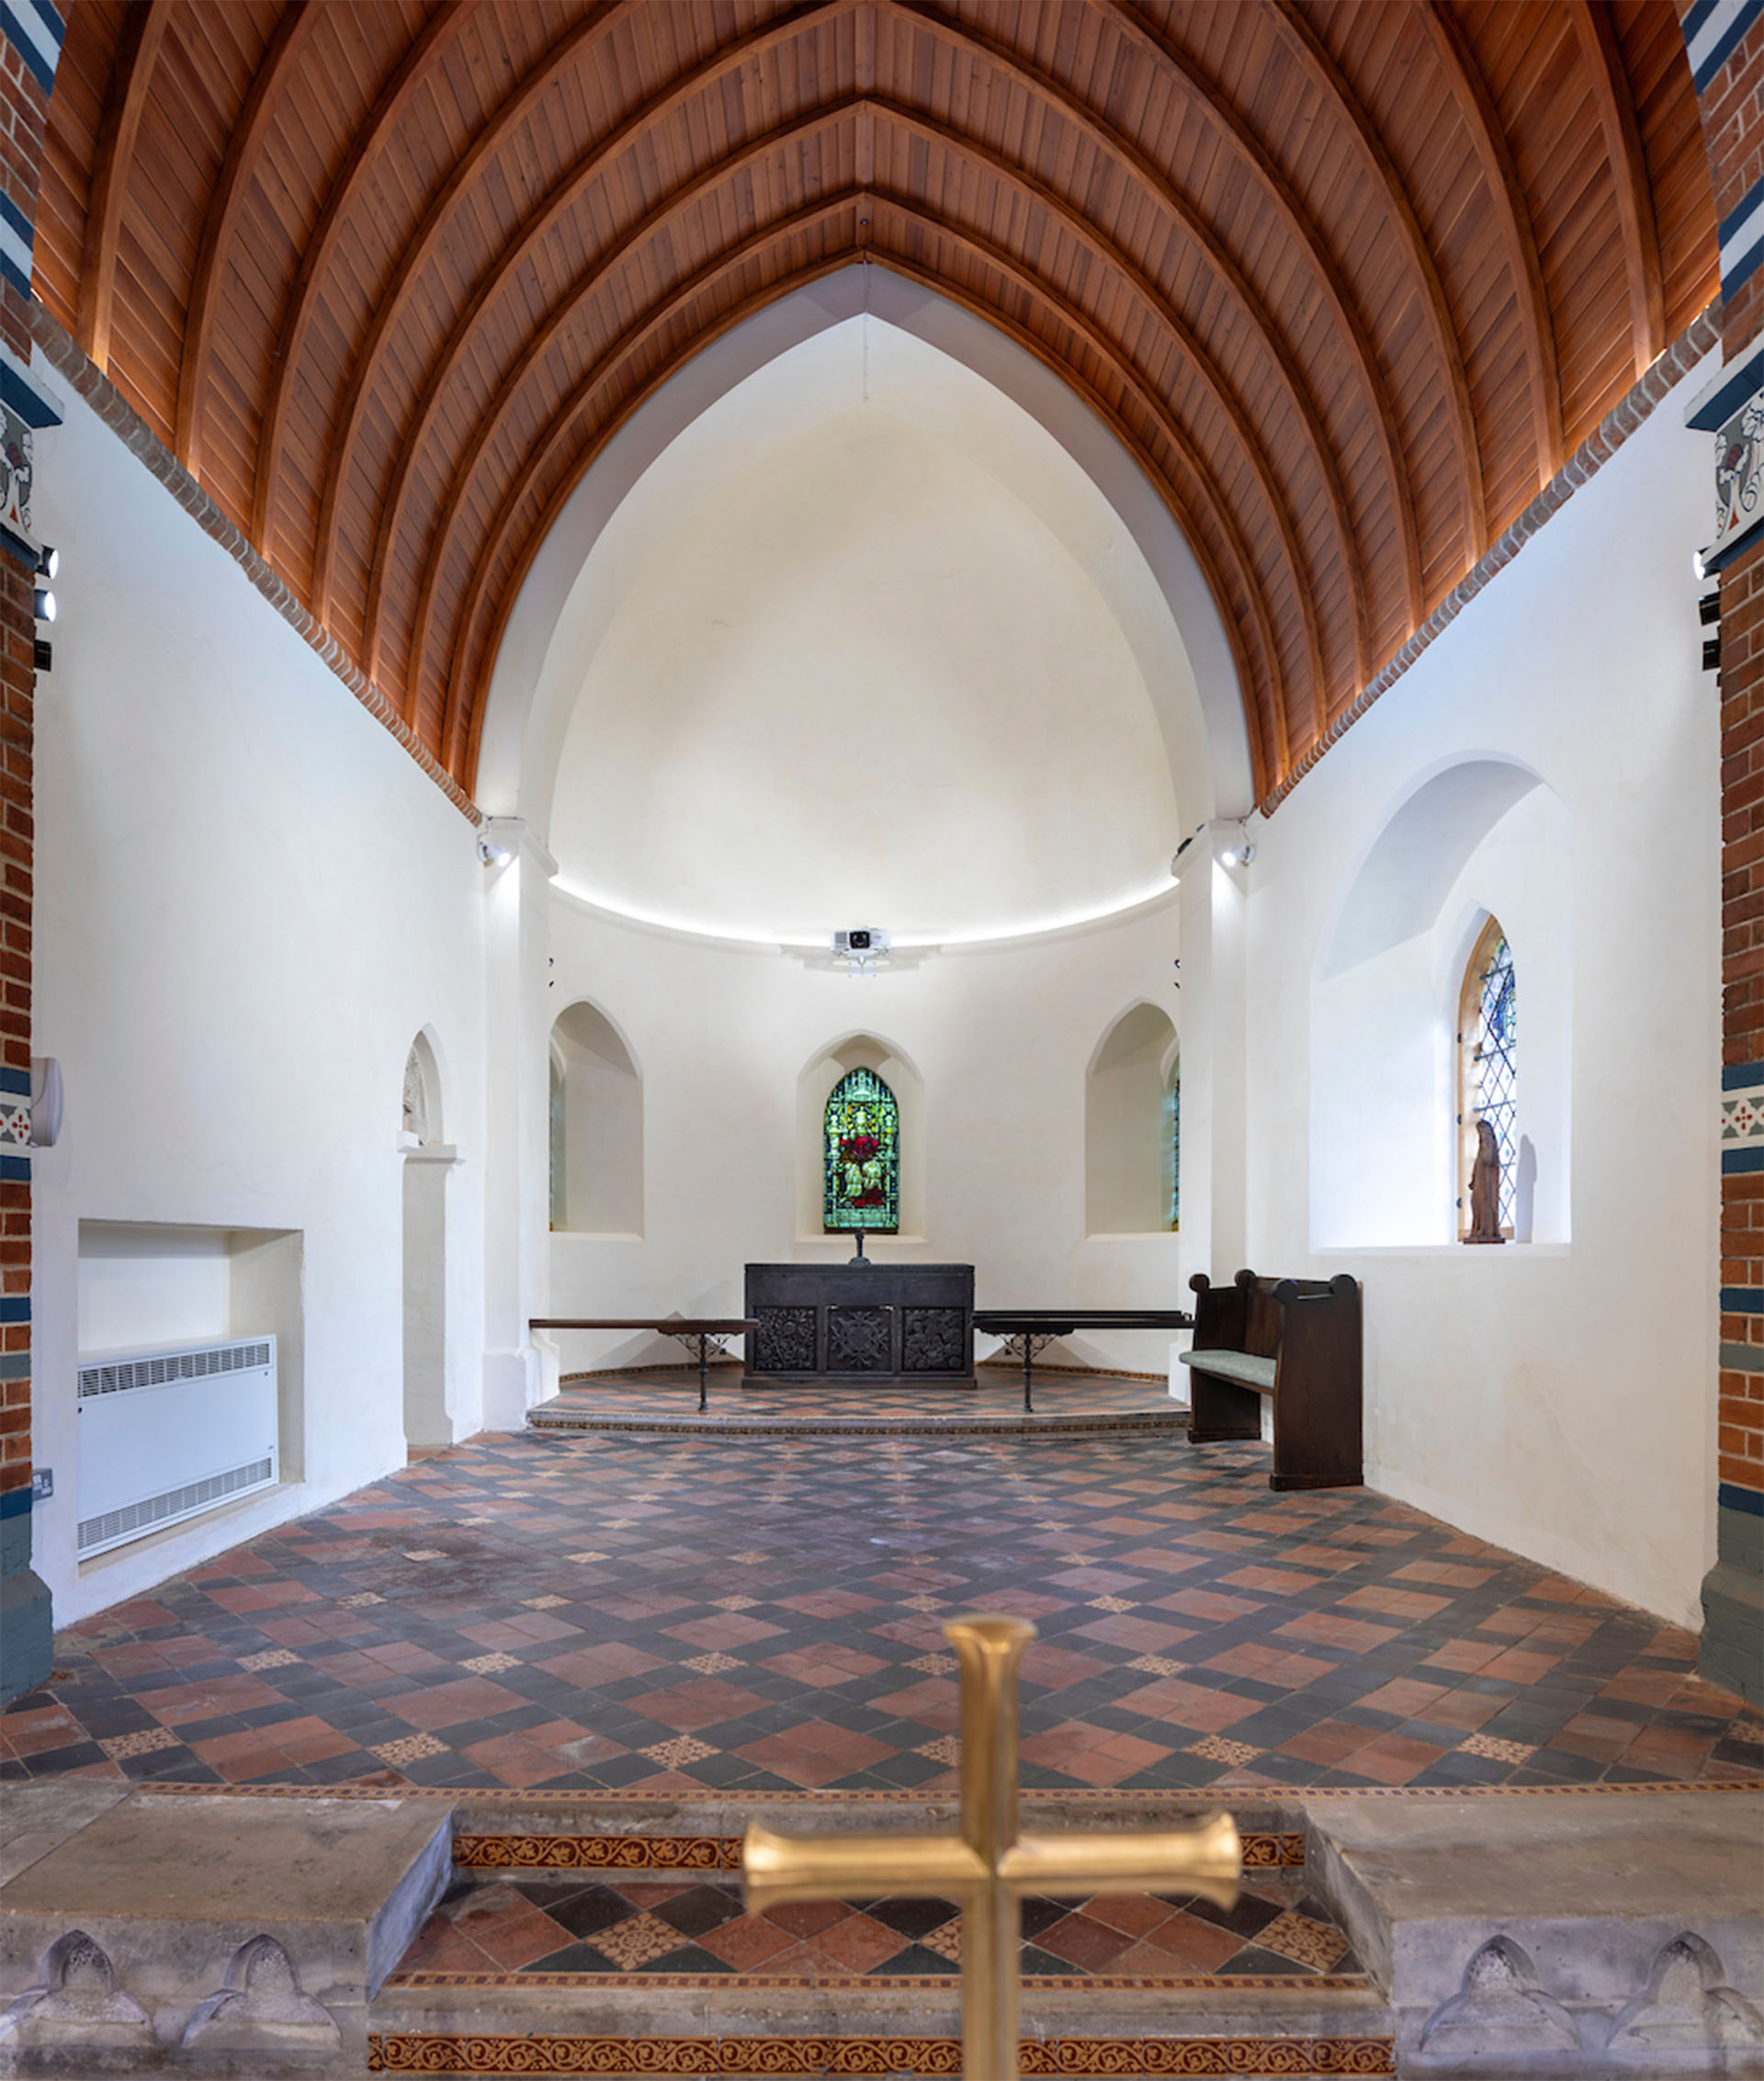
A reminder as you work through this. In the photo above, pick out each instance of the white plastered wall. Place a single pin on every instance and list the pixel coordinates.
(1556, 1398)
(731, 1037)
(248, 900)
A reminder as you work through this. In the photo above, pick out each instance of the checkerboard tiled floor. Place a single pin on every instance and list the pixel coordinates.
(672, 1394)
(571, 1924)
(683, 1614)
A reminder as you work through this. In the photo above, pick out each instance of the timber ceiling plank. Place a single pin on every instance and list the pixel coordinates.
(1349, 279)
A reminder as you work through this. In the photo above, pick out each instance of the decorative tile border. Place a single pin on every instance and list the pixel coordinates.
(1017, 1426)
(1263, 1850)
(881, 1982)
(548, 2054)
(1284, 1797)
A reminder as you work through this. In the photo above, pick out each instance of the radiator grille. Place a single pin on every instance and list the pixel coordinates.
(176, 1365)
(175, 1502)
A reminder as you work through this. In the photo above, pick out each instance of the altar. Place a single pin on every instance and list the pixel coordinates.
(860, 1325)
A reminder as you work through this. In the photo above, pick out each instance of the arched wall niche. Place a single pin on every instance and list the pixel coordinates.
(1128, 1168)
(575, 581)
(423, 1117)
(1479, 837)
(596, 1125)
(814, 1087)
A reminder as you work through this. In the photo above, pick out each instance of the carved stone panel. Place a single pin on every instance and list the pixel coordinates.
(858, 1339)
(785, 1341)
(933, 1340)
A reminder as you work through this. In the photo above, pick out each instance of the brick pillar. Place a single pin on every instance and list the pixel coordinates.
(1724, 40)
(30, 41)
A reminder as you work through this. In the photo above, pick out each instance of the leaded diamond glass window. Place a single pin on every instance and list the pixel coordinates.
(863, 1155)
(1488, 1037)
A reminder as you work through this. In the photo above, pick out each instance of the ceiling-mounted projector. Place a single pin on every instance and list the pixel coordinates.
(868, 940)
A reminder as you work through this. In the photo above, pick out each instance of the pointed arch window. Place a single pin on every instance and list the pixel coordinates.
(862, 1142)
(1487, 1060)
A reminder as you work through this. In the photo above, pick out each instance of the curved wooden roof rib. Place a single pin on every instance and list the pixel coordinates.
(1519, 241)
(725, 169)
(515, 108)
(473, 711)
(298, 21)
(1629, 173)
(131, 71)
(461, 677)
(1210, 99)
(564, 53)
(1157, 182)
(1328, 75)
(436, 33)
(727, 57)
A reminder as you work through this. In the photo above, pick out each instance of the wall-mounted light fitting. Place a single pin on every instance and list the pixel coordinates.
(44, 603)
(491, 850)
(1243, 851)
(48, 561)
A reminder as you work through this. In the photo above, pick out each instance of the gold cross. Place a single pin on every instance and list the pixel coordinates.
(989, 1866)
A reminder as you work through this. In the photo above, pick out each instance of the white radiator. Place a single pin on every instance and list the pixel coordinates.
(167, 1434)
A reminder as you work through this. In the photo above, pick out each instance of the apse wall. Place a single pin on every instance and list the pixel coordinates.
(992, 1045)
(249, 902)
(1555, 1397)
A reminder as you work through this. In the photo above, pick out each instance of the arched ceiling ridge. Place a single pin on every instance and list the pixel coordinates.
(470, 667)
(1332, 350)
(470, 716)
(568, 306)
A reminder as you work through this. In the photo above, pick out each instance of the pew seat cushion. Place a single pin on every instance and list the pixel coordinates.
(1241, 1367)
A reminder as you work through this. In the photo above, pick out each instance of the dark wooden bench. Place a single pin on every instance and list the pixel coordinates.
(1295, 1342)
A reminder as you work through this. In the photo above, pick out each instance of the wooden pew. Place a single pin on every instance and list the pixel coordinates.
(1295, 1342)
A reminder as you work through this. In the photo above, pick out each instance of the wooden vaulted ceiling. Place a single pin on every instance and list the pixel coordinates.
(1350, 280)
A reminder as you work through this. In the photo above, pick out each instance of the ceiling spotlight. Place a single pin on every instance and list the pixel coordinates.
(44, 603)
(492, 852)
(1699, 568)
(48, 561)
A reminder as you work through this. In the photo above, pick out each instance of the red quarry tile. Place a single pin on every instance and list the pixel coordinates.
(1450, 1574)
(1396, 1603)
(1330, 1557)
(1465, 1658)
(516, 1760)
(1129, 1629)
(179, 1703)
(1330, 1741)
(1057, 1668)
(803, 1918)
(43, 1727)
(1279, 1582)
(1328, 1631)
(1407, 1698)
(746, 1943)
(1188, 1705)
(1391, 1759)
(1189, 1945)
(264, 1597)
(143, 1657)
(858, 1943)
(1132, 1914)
(513, 1936)
(610, 1662)
(724, 1629)
(447, 1704)
(1084, 1942)
(1164, 1560)
(1268, 1665)
(1094, 1756)
(1520, 1665)
(1209, 1604)
(824, 1663)
(441, 1947)
(815, 1753)
(934, 1703)
(700, 1704)
(828, 1603)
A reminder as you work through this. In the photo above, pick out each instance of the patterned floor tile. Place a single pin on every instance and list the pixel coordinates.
(573, 1622)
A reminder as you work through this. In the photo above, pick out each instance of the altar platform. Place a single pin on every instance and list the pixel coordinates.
(665, 1399)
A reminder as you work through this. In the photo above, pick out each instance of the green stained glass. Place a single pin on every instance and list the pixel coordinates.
(863, 1155)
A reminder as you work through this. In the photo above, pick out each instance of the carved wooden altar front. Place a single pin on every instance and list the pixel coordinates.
(854, 1326)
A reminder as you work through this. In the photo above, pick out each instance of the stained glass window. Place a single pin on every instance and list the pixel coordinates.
(1175, 1104)
(863, 1155)
(1488, 1036)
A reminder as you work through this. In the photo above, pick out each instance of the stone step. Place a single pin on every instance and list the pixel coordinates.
(1615, 1934)
(243, 1934)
